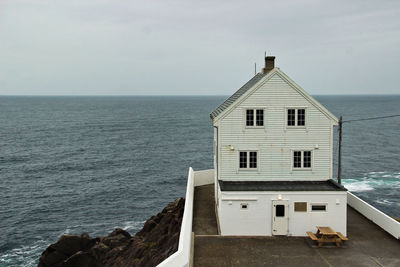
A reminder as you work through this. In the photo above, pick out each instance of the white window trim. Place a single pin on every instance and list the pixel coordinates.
(241, 206)
(248, 160)
(255, 118)
(302, 159)
(295, 118)
(319, 204)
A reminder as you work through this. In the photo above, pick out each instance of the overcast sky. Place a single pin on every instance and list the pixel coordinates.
(72, 47)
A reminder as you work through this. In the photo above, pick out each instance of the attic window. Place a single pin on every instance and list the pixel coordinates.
(254, 117)
(296, 117)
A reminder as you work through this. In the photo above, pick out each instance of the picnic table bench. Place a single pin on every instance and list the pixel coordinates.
(326, 234)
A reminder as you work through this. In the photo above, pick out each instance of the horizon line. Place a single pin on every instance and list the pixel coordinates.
(38, 95)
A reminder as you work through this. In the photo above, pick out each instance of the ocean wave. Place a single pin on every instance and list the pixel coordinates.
(27, 255)
(132, 225)
(385, 202)
(373, 180)
(354, 185)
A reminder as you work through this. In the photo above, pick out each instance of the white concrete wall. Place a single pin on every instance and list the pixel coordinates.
(181, 258)
(275, 142)
(387, 223)
(257, 219)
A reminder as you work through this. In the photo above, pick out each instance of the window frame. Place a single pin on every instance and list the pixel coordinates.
(242, 206)
(318, 204)
(302, 168)
(254, 126)
(248, 160)
(296, 126)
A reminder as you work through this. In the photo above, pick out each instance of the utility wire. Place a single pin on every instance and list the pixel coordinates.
(373, 118)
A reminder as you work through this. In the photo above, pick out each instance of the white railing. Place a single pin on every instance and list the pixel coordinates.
(182, 256)
(386, 222)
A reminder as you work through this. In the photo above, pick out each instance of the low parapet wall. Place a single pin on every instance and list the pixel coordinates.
(181, 258)
(384, 221)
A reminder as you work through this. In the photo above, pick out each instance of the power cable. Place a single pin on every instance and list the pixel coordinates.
(373, 118)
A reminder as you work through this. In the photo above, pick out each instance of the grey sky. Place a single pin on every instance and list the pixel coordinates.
(196, 47)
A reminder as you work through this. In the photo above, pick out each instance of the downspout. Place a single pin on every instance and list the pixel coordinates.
(217, 164)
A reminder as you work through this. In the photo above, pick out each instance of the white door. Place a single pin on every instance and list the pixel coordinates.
(280, 217)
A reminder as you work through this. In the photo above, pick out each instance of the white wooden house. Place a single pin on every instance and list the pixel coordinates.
(273, 160)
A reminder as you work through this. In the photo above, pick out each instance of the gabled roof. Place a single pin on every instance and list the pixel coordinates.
(236, 95)
(260, 79)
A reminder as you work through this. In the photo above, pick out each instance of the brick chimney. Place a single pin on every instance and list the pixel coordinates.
(269, 64)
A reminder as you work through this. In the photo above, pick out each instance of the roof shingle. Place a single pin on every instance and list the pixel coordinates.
(236, 95)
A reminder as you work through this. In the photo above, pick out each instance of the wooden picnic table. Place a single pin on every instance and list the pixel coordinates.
(326, 234)
(325, 230)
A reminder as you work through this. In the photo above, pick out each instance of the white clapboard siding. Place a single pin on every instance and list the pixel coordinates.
(275, 141)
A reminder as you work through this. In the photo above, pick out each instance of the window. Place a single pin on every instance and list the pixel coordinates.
(307, 159)
(248, 160)
(300, 206)
(301, 117)
(302, 159)
(318, 207)
(297, 159)
(253, 160)
(254, 117)
(296, 117)
(250, 117)
(280, 210)
(291, 121)
(244, 206)
(259, 117)
(243, 160)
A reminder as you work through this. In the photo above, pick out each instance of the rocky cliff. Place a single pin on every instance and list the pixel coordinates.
(155, 242)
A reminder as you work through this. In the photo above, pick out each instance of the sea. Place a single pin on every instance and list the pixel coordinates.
(74, 164)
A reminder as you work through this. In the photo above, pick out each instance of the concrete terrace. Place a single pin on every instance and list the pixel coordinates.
(368, 244)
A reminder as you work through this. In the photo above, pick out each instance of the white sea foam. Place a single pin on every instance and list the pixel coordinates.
(132, 225)
(373, 180)
(358, 186)
(26, 255)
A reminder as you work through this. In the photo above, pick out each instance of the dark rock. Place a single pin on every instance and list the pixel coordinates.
(116, 240)
(157, 240)
(99, 250)
(66, 246)
(119, 231)
(81, 259)
(51, 258)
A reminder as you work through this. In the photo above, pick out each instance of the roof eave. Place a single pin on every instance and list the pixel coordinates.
(228, 108)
